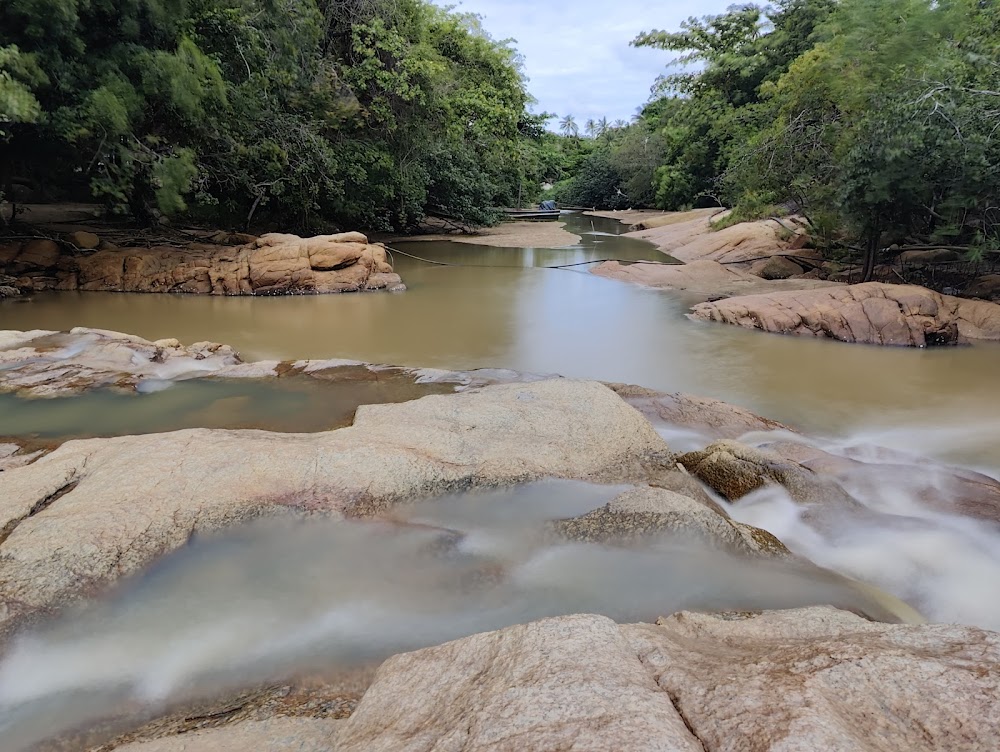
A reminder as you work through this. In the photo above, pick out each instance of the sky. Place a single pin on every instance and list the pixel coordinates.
(577, 54)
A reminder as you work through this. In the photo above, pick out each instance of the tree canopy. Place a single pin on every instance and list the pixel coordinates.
(875, 118)
(363, 113)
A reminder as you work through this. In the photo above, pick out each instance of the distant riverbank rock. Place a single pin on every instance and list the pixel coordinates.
(803, 679)
(94, 510)
(690, 236)
(986, 287)
(776, 267)
(872, 313)
(704, 278)
(273, 264)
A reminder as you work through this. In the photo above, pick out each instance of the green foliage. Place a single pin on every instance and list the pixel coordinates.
(19, 75)
(362, 113)
(877, 119)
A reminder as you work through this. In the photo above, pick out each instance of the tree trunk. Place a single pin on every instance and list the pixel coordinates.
(871, 253)
(7, 181)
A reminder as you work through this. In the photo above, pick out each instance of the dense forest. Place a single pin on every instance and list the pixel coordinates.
(879, 120)
(351, 113)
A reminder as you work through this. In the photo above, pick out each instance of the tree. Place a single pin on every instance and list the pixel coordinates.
(569, 127)
(306, 112)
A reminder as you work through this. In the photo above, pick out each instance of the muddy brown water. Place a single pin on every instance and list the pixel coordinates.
(500, 308)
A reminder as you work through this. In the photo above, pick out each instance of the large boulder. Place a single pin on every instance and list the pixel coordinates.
(776, 267)
(986, 287)
(807, 679)
(84, 240)
(94, 510)
(272, 264)
(872, 313)
(38, 253)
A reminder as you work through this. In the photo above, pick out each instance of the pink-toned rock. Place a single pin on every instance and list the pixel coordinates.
(806, 679)
(704, 277)
(872, 313)
(694, 238)
(713, 418)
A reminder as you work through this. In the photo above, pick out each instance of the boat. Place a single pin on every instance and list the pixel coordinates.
(532, 213)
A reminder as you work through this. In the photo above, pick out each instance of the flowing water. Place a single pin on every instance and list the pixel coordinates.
(268, 600)
(274, 599)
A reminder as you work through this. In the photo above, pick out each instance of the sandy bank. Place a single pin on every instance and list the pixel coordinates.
(508, 235)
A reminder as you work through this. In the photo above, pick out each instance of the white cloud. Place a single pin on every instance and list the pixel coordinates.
(577, 54)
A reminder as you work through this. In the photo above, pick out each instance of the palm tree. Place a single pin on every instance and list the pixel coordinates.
(590, 128)
(620, 124)
(602, 127)
(569, 127)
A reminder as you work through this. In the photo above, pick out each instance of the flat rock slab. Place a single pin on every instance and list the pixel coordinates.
(94, 510)
(872, 313)
(706, 278)
(690, 237)
(807, 679)
(279, 734)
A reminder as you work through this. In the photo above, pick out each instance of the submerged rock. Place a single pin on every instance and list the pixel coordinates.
(872, 313)
(643, 514)
(273, 264)
(735, 470)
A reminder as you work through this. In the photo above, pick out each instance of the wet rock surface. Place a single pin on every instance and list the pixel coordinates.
(95, 510)
(643, 514)
(872, 313)
(50, 364)
(735, 470)
(273, 264)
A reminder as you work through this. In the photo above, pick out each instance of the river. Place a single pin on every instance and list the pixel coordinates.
(498, 307)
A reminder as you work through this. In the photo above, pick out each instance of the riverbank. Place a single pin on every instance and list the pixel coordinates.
(753, 275)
